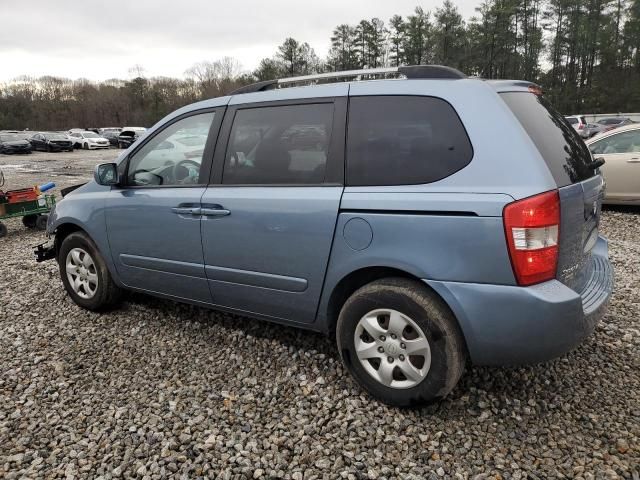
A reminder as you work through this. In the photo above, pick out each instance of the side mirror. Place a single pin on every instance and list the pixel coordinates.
(106, 174)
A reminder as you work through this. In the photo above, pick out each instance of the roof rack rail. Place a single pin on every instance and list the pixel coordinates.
(409, 72)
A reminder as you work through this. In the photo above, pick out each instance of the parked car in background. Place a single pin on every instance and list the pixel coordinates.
(283, 207)
(620, 149)
(14, 143)
(112, 136)
(22, 135)
(591, 130)
(130, 135)
(88, 140)
(578, 122)
(614, 122)
(104, 130)
(51, 142)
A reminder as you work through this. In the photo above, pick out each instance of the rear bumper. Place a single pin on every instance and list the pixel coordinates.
(509, 325)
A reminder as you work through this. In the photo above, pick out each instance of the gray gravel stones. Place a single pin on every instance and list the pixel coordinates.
(157, 389)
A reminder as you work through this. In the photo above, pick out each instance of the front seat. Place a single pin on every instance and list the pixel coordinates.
(272, 160)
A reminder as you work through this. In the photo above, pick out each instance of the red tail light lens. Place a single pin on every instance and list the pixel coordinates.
(532, 227)
(581, 126)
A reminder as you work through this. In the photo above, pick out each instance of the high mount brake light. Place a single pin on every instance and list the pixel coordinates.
(532, 230)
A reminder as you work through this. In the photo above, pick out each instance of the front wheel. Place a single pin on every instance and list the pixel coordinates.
(85, 275)
(401, 342)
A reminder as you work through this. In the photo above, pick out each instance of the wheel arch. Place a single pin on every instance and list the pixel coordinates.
(356, 279)
(63, 230)
(67, 227)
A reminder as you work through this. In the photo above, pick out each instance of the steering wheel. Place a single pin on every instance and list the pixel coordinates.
(181, 171)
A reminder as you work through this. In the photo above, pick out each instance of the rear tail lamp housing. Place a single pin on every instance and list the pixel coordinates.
(532, 228)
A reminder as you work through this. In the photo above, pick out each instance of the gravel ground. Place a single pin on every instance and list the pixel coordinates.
(157, 389)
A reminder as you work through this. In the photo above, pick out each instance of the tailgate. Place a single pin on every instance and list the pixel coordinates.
(580, 207)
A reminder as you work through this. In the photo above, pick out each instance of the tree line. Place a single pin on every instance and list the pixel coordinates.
(584, 53)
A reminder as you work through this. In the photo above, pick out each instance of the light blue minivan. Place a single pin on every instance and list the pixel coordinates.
(425, 218)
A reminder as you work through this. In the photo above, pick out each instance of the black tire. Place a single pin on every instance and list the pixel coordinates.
(3, 230)
(29, 221)
(85, 146)
(49, 149)
(430, 314)
(107, 293)
(41, 222)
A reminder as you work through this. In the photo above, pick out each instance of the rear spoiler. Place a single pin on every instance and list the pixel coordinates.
(515, 86)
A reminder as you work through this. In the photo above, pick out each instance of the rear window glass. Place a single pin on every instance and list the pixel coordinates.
(404, 140)
(572, 120)
(563, 150)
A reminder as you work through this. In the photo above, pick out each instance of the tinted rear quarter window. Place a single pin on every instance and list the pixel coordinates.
(561, 147)
(404, 140)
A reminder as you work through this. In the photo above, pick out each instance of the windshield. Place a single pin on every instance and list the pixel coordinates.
(90, 135)
(9, 138)
(572, 120)
(563, 150)
(57, 136)
(611, 121)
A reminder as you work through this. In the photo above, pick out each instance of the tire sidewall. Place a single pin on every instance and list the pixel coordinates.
(41, 222)
(430, 320)
(29, 221)
(81, 240)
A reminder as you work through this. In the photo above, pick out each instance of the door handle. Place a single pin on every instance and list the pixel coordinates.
(214, 212)
(186, 210)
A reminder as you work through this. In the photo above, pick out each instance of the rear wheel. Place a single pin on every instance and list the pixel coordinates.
(41, 222)
(401, 342)
(29, 221)
(3, 230)
(85, 275)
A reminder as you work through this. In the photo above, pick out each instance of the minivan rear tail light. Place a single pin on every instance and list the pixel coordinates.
(532, 228)
(581, 126)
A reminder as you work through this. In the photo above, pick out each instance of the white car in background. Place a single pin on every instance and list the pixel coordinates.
(88, 140)
(577, 121)
(620, 149)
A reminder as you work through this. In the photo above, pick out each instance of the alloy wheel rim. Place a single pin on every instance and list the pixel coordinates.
(81, 273)
(392, 348)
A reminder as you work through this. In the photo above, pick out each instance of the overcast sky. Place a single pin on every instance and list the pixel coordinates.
(104, 39)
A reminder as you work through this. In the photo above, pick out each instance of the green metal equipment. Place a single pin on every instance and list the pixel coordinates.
(30, 204)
